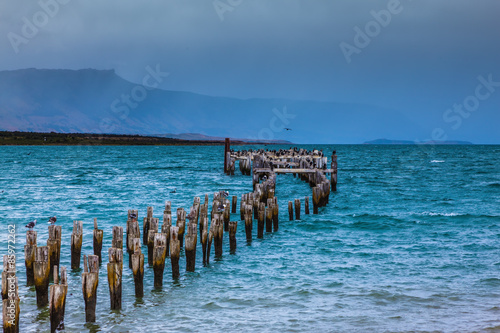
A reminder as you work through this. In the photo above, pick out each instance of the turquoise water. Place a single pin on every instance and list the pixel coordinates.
(410, 242)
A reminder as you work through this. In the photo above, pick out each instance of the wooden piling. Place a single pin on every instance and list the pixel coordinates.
(159, 253)
(97, 241)
(218, 223)
(276, 213)
(133, 233)
(58, 292)
(191, 240)
(138, 267)
(76, 244)
(145, 225)
(204, 237)
(316, 199)
(41, 274)
(306, 205)
(290, 211)
(248, 227)
(167, 224)
(234, 204)
(117, 241)
(261, 221)
(54, 246)
(175, 249)
(115, 268)
(181, 224)
(153, 229)
(90, 282)
(269, 218)
(232, 236)
(297, 209)
(29, 256)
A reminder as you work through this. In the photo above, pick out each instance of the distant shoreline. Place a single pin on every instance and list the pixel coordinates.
(18, 138)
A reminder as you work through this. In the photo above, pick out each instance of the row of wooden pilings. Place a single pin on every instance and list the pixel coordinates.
(42, 262)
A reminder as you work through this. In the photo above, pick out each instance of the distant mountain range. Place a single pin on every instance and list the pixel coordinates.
(99, 101)
(406, 142)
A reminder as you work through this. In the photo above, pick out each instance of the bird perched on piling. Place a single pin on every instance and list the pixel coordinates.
(132, 216)
(221, 208)
(52, 220)
(31, 225)
(224, 194)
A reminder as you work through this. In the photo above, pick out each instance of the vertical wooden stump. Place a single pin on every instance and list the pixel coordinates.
(58, 292)
(10, 295)
(290, 211)
(175, 249)
(334, 173)
(233, 226)
(41, 273)
(261, 222)
(167, 224)
(269, 218)
(153, 229)
(191, 240)
(218, 232)
(76, 244)
(117, 241)
(138, 267)
(29, 256)
(242, 207)
(306, 205)
(234, 204)
(133, 233)
(204, 237)
(145, 226)
(90, 281)
(97, 241)
(297, 209)
(159, 253)
(181, 224)
(115, 267)
(248, 226)
(276, 214)
(54, 246)
(316, 199)
(227, 216)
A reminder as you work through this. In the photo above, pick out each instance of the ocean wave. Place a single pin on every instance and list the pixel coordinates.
(437, 161)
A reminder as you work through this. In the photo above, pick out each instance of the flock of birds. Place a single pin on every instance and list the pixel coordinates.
(220, 209)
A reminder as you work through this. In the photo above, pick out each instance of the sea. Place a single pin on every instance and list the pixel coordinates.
(410, 242)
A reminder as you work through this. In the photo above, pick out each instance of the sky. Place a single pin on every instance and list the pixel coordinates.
(422, 58)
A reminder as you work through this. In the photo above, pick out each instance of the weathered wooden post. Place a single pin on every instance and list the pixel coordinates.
(145, 226)
(115, 268)
(204, 237)
(76, 244)
(290, 211)
(159, 253)
(316, 199)
(175, 249)
(10, 295)
(243, 202)
(29, 256)
(227, 150)
(181, 224)
(133, 233)
(234, 204)
(58, 292)
(227, 215)
(334, 172)
(167, 224)
(97, 241)
(90, 281)
(269, 218)
(41, 273)
(276, 213)
(153, 229)
(191, 240)
(218, 232)
(233, 226)
(297, 209)
(306, 205)
(54, 246)
(138, 267)
(261, 221)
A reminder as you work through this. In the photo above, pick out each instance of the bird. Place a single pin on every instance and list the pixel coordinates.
(174, 190)
(287, 129)
(264, 178)
(29, 153)
(31, 225)
(221, 208)
(224, 194)
(52, 220)
(132, 216)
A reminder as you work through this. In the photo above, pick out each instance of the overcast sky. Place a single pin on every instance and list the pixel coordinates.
(420, 61)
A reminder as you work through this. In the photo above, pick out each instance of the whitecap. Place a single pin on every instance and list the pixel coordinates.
(437, 161)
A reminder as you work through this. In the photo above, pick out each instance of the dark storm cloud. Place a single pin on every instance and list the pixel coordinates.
(431, 50)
